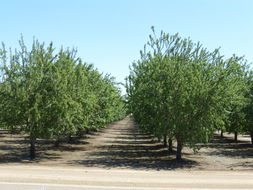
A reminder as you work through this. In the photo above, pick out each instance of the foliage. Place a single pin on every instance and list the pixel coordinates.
(181, 90)
(49, 95)
(248, 108)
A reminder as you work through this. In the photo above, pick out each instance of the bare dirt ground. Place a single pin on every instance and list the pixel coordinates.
(121, 156)
(122, 145)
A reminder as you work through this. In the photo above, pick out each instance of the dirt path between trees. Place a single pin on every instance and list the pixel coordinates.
(121, 156)
(122, 145)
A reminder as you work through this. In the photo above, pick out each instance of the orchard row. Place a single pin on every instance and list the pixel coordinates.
(54, 95)
(179, 90)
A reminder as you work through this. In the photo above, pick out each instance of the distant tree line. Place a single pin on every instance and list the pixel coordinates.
(54, 95)
(178, 90)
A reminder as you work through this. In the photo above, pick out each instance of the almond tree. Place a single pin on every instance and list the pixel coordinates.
(248, 108)
(180, 89)
(54, 95)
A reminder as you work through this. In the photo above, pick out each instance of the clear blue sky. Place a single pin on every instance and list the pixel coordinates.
(110, 33)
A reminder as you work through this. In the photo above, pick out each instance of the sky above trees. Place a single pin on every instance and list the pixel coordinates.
(110, 33)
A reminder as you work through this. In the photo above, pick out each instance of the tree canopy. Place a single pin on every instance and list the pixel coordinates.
(181, 90)
(49, 95)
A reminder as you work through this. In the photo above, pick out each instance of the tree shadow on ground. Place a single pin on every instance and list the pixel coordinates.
(123, 147)
(15, 149)
(129, 148)
(226, 146)
(21, 155)
(137, 163)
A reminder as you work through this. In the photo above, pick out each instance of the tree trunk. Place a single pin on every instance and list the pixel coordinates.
(236, 135)
(179, 149)
(251, 135)
(12, 130)
(32, 148)
(165, 143)
(70, 139)
(170, 145)
(221, 134)
(80, 133)
(57, 142)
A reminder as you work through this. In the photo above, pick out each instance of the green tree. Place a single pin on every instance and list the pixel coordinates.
(181, 90)
(54, 95)
(248, 109)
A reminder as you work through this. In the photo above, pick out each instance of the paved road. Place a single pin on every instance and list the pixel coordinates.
(32, 186)
(32, 177)
(21, 186)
